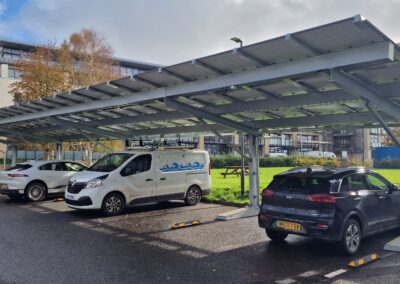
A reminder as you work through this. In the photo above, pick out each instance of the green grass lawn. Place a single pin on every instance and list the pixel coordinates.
(227, 190)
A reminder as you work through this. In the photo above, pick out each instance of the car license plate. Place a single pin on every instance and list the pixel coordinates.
(289, 226)
(70, 197)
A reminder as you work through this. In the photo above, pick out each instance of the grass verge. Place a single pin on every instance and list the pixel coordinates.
(227, 190)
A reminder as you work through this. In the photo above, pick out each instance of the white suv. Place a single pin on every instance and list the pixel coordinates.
(141, 176)
(36, 179)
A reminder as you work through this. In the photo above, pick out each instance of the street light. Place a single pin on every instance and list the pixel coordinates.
(242, 174)
(237, 40)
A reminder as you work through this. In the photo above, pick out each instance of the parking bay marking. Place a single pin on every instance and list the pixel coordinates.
(335, 273)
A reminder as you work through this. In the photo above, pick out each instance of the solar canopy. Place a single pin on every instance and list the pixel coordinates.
(344, 73)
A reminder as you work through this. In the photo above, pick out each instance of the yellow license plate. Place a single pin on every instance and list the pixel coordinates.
(289, 226)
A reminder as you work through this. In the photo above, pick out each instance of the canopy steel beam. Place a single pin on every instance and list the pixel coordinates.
(145, 81)
(380, 52)
(174, 75)
(207, 67)
(256, 61)
(237, 148)
(383, 123)
(22, 134)
(69, 124)
(362, 90)
(329, 119)
(199, 113)
(303, 44)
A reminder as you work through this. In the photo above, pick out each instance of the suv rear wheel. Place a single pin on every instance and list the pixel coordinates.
(35, 191)
(351, 238)
(276, 235)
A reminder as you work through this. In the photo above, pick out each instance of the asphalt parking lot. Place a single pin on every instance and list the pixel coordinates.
(48, 242)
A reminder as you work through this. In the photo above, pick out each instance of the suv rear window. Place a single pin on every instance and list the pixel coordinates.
(300, 183)
(20, 167)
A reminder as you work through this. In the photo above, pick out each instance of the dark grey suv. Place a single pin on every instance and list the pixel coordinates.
(342, 205)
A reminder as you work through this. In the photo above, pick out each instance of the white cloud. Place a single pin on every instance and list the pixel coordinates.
(169, 31)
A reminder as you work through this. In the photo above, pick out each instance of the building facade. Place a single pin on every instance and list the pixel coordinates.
(12, 51)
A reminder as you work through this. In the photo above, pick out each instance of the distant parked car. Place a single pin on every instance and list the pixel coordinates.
(36, 179)
(320, 154)
(275, 155)
(342, 205)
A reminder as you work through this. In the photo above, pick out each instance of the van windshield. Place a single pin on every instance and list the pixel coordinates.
(300, 183)
(110, 162)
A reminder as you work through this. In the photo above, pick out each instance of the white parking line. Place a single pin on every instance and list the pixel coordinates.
(309, 273)
(335, 273)
(285, 281)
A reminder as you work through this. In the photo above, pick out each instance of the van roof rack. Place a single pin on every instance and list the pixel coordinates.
(160, 147)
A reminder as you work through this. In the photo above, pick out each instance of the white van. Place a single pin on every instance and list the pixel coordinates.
(320, 154)
(140, 176)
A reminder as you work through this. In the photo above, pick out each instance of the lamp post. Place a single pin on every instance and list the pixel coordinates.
(242, 173)
(237, 40)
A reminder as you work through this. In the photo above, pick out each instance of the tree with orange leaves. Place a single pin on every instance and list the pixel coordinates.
(84, 59)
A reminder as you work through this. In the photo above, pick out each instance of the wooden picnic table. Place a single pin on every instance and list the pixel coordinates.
(235, 170)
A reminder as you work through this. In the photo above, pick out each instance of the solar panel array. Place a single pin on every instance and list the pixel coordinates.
(135, 106)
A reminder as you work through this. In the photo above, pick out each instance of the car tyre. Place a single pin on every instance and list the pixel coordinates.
(351, 238)
(35, 191)
(193, 195)
(276, 236)
(113, 204)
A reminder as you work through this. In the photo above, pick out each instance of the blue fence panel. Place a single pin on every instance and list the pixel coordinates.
(386, 153)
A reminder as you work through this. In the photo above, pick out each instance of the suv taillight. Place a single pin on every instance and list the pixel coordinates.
(267, 193)
(322, 198)
(17, 175)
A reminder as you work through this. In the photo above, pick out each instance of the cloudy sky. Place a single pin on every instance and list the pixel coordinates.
(170, 31)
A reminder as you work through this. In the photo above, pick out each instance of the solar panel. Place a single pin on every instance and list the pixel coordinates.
(279, 83)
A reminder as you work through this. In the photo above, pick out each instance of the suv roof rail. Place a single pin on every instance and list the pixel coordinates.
(308, 169)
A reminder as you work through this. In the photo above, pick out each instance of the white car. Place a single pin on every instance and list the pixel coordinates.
(36, 179)
(141, 176)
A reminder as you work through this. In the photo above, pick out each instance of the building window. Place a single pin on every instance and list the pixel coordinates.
(13, 73)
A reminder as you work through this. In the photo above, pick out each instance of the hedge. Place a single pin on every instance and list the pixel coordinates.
(388, 164)
(221, 161)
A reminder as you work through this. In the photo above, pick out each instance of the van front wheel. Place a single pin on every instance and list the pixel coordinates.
(193, 195)
(113, 204)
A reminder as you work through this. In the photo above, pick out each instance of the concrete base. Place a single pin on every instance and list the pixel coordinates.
(393, 245)
(239, 213)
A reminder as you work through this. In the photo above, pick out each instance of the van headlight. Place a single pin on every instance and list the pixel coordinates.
(96, 182)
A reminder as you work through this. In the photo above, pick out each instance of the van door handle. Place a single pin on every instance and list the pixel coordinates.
(148, 179)
(382, 197)
(163, 178)
(357, 198)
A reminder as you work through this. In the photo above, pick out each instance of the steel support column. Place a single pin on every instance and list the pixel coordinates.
(243, 172)
(14, 151)
(254, 185)
(254, 177)
(59, 151)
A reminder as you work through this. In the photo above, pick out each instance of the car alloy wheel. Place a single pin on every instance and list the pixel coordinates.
(351, 240)
(113, 204)
(353, 237)
(36, 192)
(193, 195)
